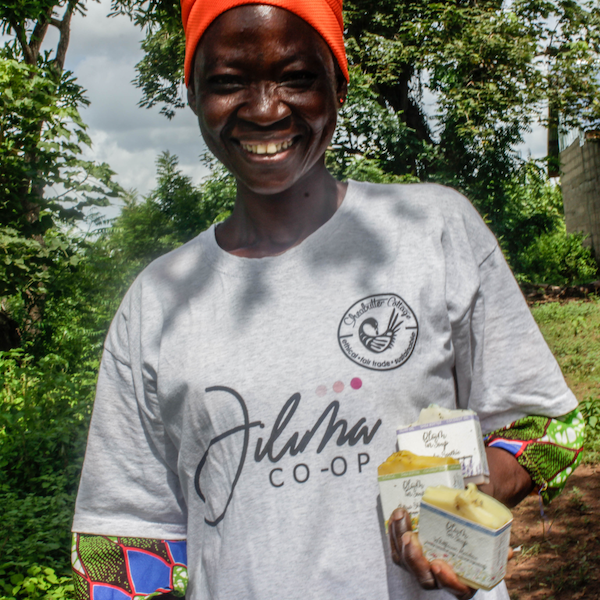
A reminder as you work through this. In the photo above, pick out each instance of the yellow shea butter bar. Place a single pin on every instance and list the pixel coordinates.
(470, 504)
(403, 461)
(469, 530)
(404, 477)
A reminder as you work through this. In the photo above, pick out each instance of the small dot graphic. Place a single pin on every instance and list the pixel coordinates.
(321, 390)
(338, 387)
(356, 383)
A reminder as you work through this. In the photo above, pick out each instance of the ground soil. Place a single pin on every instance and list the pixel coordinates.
(560, 554)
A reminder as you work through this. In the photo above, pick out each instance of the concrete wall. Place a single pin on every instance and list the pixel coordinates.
(580, 181)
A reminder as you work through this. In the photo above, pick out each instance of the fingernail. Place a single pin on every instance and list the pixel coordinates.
(436, 569)
(402, 521)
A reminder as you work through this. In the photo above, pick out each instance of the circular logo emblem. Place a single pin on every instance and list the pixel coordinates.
(378, 332)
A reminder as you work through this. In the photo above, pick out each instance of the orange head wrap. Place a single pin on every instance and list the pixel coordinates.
(323, 15)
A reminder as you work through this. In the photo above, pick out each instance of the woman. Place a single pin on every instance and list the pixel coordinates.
(254, 378)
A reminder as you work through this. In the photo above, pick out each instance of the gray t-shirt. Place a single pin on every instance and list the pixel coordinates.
(245, 404)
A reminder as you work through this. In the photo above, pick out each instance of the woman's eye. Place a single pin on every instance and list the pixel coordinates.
(299, 79)
(225, 82)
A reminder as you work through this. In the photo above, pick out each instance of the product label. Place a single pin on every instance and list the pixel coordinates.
(458, 438)
(406, 489)
(477, 554)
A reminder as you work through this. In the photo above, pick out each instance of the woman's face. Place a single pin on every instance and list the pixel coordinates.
(266, 95)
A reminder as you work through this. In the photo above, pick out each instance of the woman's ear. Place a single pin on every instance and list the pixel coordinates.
(342, 91)
(191, 96)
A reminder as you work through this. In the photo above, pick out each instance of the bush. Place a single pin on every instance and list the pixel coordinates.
(533, 233)
(590, 408)
(44, 414)
(20, 581)
(557, 258)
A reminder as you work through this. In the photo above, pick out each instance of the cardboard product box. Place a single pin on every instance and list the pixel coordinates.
(459, 438)
(477, 554)
(406, 489)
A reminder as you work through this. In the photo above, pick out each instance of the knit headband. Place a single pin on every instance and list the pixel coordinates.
(323, 15)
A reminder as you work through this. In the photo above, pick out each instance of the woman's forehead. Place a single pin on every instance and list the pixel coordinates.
(260, 32)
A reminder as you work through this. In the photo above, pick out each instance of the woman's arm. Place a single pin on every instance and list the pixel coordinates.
(509, 481)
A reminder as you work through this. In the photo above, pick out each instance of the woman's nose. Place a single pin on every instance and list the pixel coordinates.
(264, 106)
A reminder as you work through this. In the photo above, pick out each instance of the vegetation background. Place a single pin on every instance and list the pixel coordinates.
(494, 68)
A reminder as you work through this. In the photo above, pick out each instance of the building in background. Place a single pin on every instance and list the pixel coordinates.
(580, 182)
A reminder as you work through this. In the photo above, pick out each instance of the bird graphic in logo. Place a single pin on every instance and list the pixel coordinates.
(374, 341)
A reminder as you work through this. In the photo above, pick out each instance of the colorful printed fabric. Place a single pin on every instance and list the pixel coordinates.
(121, 568)
(550, 449)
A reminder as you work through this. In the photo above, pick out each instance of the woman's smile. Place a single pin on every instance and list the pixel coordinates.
(267, 148)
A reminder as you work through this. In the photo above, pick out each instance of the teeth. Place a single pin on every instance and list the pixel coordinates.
(269, 148)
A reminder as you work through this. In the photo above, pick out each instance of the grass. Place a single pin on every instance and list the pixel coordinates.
(572, 330)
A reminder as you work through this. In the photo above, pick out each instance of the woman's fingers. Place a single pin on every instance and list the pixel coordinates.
(398, 524)
(415, 561)
(446, 579)
(406, 549)
(408, 554)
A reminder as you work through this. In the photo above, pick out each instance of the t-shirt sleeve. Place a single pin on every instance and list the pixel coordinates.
(504, 368)
(129, 483)
(121, 567)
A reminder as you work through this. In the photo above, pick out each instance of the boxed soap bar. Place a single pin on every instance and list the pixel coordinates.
(404, 477)
(457, 434)
(477, 550)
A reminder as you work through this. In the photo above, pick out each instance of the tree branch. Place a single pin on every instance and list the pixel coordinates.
(65, 35)
(37, 37)
(22, 37)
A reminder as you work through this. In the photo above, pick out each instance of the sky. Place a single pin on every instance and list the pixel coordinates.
(102, 54)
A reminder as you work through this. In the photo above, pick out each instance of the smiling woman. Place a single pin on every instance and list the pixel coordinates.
(254, 378)
(266, 89)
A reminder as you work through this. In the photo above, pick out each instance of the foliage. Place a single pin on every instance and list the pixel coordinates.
(44, 413)
(591, 411)
(161, 79)
(492, 68)
(534, 236)
(483, 62)
(558, 258)
(40, 137)
(45, 185)
(572, 331)
(33, 582)
(445, 91)
(372, 142)
(172, 214)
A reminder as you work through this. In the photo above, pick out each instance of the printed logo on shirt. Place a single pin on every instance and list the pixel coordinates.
(222, 463)
(379, 332)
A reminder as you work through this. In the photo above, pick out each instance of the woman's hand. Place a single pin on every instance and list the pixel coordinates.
(509, 483)
(408, 554)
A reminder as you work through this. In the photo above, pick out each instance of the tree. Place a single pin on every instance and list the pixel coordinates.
(45, 185)
(171, 215)
(493, 68)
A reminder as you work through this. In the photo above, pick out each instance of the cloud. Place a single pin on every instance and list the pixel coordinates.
(102, 54)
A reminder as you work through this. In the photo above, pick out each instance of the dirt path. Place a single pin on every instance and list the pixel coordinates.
(560, 556)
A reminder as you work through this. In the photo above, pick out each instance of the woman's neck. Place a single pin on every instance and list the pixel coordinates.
(267, 225)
